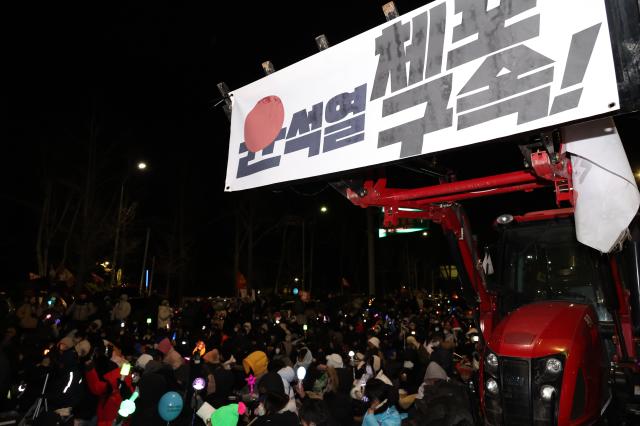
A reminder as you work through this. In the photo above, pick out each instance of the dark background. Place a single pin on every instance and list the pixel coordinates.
(137, 81)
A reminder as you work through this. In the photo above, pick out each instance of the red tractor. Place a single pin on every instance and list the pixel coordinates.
(558, 319)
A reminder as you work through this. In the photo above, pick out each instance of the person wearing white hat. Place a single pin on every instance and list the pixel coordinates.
(288, 375)
(335, 361)
(143, 360)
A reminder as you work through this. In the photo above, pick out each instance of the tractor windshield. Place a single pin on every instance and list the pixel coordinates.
(544, 261)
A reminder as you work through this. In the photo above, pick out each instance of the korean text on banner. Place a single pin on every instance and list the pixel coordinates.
(449, 74)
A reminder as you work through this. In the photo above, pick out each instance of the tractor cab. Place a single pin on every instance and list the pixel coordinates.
(542, 261)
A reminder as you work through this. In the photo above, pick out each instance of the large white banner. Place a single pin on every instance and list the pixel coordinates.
(449, 74)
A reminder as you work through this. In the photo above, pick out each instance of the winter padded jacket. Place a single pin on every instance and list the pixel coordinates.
(109, 398)
(390, 417)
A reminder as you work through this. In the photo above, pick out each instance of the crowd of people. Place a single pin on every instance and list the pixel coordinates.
(406, 359)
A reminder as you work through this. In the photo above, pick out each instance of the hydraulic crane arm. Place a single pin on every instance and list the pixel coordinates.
(439, 203)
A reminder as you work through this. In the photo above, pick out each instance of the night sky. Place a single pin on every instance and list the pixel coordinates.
(142, 77)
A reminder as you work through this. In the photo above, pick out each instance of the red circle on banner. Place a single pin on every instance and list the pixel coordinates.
(263, 123)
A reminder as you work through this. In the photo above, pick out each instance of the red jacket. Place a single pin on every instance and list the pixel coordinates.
(109, 398)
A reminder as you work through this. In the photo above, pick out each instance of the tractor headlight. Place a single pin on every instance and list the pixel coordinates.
(547, 392)
(547, 375)
(504, 219)
(492, 360)
(491, 363)
(553, 366)
(492, 386)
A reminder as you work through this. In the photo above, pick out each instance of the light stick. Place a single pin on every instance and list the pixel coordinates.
(199, 384)
(128, 406)
(301, 372)
(251, 381)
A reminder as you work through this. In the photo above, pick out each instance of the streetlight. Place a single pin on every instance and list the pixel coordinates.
(324, 209)
(141, 166)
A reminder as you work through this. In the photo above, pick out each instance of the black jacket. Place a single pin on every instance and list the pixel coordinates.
(153, 384)
(340, 407)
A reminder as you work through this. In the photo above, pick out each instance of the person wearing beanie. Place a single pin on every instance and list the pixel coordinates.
(434, 373)
(143, 360)
(165, 346)
(175, 361)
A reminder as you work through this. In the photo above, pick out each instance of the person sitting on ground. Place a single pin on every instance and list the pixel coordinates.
(314, 412)
(273, 402)
(441, 401)
(380, 412)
